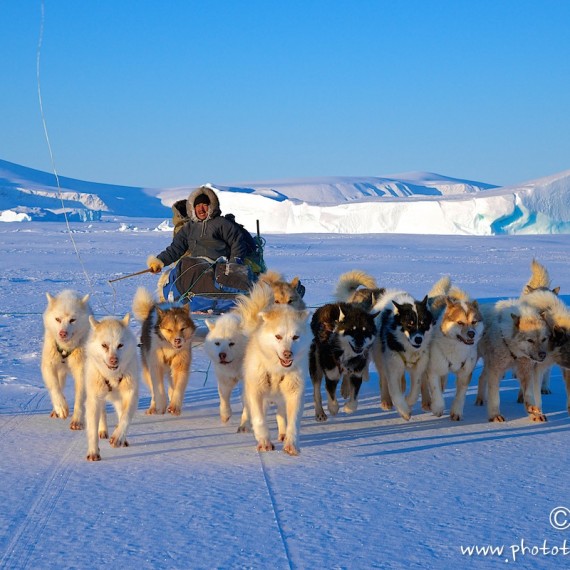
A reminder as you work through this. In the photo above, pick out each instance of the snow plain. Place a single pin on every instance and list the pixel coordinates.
(369, 490)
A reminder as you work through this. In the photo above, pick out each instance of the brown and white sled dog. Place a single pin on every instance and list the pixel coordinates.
(166, 340)
(275, 365)
(66, 327)
(284, 292)
(225, 346)
(359, 288)
(539, 294)
(453, 347)
(405, 328)
(515, 336)
(111, 373)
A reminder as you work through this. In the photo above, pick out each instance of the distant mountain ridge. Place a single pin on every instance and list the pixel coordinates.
(413, 202)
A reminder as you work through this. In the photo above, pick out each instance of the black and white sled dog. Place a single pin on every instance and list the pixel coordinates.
(111, 373)
(405, 328)
(343, 335)
(66, 327)
(358, 287)
(453, 347)
(275, 365)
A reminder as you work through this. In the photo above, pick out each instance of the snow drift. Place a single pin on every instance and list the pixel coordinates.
(410, 203)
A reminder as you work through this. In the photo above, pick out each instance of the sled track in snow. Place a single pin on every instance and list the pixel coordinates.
(275, 513)
(23, 542)
(9, 422)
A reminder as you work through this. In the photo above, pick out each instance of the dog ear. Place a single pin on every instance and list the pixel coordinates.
(424, 301)
(340, 315)
(516, 320)
(210, 324)
(556, 290)
(93, 322)
(85, 299)
(374, 315)
(50, 298)
(294, 282)
(125, 320)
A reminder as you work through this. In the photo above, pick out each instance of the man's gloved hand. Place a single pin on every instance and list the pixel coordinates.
(154, 264)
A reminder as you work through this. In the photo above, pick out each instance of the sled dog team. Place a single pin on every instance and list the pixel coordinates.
(267, 342)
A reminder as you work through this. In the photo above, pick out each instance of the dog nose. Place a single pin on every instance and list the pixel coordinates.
(471, 334)
(113, 361)
(62, 334)
(223, 355)
(418, 339)
(287, 354)
(541, 356)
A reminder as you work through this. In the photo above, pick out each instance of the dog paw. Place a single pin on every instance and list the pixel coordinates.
(281, 437)
(437, 411)
(333, 408)
(60, 412)
(455, 417)
(103, 434)
(426, 407)
(538, 418)
(350, 407)
(497, 418)
(479, 402)
(117, 441)
(243, 428)
(265, 445)
(76, 424)
(386, 406)
(225, 418)
(174, 410)
(545, 391)
(93, 456)
(322, 417)
(290, 449)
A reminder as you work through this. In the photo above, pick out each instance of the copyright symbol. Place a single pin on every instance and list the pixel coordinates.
(560, 518)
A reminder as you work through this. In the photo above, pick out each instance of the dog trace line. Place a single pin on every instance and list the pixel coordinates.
(44, 124)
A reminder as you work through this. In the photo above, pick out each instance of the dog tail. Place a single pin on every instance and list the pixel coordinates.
(249, 306)
(270, 277)
(442, 287)
(539, 278)
(143, 303)
(349, 282)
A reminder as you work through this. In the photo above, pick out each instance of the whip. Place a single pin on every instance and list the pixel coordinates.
(130, 275)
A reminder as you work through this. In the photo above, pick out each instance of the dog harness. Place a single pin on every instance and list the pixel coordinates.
(64, 353)
(109, 383)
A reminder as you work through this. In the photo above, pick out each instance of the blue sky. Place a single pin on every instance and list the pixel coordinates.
(184, 92)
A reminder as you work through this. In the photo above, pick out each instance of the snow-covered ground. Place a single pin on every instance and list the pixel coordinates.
(369, 490)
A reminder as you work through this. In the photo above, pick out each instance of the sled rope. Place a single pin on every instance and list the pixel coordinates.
(60, 195)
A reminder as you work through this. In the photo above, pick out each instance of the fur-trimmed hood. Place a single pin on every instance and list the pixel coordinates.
(213, 209)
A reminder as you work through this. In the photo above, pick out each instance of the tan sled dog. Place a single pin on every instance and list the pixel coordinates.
(166, 339)
(516, 335)
(66, 327)
(284, 292)
(275, 365)
(111, 373)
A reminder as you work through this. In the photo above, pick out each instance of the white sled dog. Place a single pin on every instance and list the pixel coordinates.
(405, 328)
(453, 348)
(515, 336)
(66, 327)
(166, 340)
(111, 373)
(225, 346)
(275, 365)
